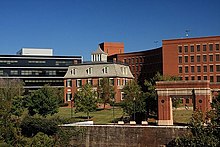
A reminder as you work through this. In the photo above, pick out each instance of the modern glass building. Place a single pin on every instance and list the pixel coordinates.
(36, 67)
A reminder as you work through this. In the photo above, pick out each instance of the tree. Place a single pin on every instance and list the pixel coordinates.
(11, 91)
(85, 100)
(134, 99)
(105, 91)
(43, 101)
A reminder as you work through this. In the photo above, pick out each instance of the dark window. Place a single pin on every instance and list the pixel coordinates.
(192, 48)
(204, 58)
(180, 49)
(198, 68)
(111, 81)
(186, 78)
(192, 78)
(186, 69)
(192, 69)
(204, 47)
(180, 69)
(186, 49)
(217, 57)
(210, 58)
(199, 77)
(186, 59)
(218, 78)
(210, 47)
(198, 58)
(180, 59)
(211, 79)
(217, 46)
(211, 68)
(205, 68)
(198, 48)
(205, 77)
(192, 58)
(218, 68)
(187, 100)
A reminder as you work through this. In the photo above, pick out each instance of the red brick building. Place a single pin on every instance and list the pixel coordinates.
(112, 48)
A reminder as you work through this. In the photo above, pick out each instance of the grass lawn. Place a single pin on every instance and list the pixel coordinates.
(180, 116)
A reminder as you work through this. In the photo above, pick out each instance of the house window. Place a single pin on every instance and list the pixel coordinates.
(90, 81)
(211, 68)
(68, 96)
(111, 81)
(118, 82)
(180, 49)
(186, 59)
(89, 71)
(198, 58)
(204, 47)
(68, 83)
(198, 48)
(210, 47)
(105, 70)
(78, 83)
(180, 69)
(192, 48)
(73, 71)
(123, 95)
(210, 58)
(180, 59)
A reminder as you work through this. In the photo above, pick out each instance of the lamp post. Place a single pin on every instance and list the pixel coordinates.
(134, 108)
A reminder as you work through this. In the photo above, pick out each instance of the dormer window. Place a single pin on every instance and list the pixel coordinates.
(73, 71)
(105, 70)
(89, 71)
(124, 70)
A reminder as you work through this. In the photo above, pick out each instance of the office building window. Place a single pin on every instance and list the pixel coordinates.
(180, 59)
(180, 70)
(192, 48)
(217, 57)
(198, 58)
(180, 49)
(132, 60)
(78, 83)
(125, 61)
(186, 49)
(192, 78)
(198, 68)
(186, 69)
(1, 72)
(218, 68)
(198, 48)
(198, 77)
(14, 72)
(204, 47)
(217, 47)
(51, 72)
(186, 59)
(211, 68)
(205, 68)
(218, 78)
(210, 47)
(192, 69)
(204, 58)
(211, 79)
(210, 58)
(205, 78)
(186, 78)
(192, 58)
(68, 83)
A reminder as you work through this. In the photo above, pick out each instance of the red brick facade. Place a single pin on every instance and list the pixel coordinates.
(112, 48)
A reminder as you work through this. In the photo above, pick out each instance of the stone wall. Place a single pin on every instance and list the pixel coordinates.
(128, 136)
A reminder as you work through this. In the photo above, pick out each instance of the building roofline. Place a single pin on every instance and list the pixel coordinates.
(33, 56)
(193, 38)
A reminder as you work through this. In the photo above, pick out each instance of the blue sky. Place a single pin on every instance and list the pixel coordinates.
(76, 27)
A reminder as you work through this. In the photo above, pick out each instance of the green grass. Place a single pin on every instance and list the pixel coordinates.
(180, 116)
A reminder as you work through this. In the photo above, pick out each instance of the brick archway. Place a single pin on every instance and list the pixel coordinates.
(199, 91)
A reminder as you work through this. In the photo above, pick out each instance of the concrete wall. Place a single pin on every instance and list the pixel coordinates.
(128, 136)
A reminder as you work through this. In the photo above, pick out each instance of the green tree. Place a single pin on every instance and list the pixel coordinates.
(11, 109)
(41, 139)
(43, 101)
(85, 100)
(134, 99)
(106, 91)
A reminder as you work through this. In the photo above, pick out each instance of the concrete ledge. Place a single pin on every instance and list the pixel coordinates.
(132, 122)
(165, 122)
(144, 122)
(121, 122)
